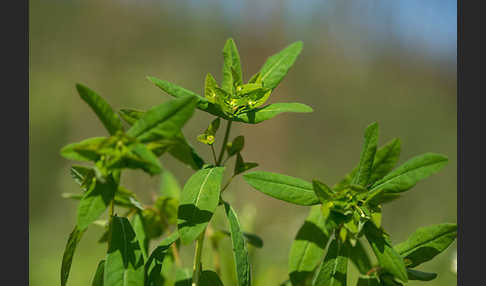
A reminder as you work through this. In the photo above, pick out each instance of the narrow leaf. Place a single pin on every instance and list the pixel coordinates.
(199, 199)
(367, 157)
(322, 191)
(240, 252)
(333, 270)
(80, 151)
(388, 258)
(277, 66)
(419, 275)
(407, 175)
(269, 111)
(426, 242)
(164, 120)
(103, 110)
(95, 201)
(100, 273)
(282, 187)
(308, 247)
(385, 160)
(231, 66)
(68, 255)
(185, 153)
(183, 277)
(124, 262)
(131, 115)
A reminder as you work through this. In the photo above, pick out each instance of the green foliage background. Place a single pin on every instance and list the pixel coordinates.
(112, 45)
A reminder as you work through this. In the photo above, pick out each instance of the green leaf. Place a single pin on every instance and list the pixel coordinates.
(169, 186)
(84, 150)
(277, 66)
(100, 272)
(242, 166)
(83, 176)
(388, 258)
(269, 111)
(333, 269)
(236, 146)
(240, 252)
(177, 91)
(199, 199)
(140, 233)
(209, 278)
(426, 242)
(419, 275)
(365, 165)
(282, 187)
(103, 110)
(183, 277)
(210, 86)
(308, 247)
(208, 137)
(131, 115)
(385, 160)
(140, 157)
(124, 262)
(322, 191)
(185, 153)
(68, 255)
(231, 66)
(359, 257)
(95, 201)
(368, 282)
(164, 120)
(407, 175)
(154, 266)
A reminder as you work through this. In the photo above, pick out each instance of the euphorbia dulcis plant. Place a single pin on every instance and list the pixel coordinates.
(341, 217)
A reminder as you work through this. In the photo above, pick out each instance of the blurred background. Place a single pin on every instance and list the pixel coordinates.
(388, 61)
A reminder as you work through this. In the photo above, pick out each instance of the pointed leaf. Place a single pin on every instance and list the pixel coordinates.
(131, 115)
(282, 187)
(103, 110)
(407, 175)
(95, 201)
(236, 146)
(100, 273)
(269, 111)
(240, 252)
(199, 199)
(277, 66)
(333, 269)
(80, 151)
(124, 262)
(419, 275)
(185, 153)
(140, 233)
(242, 166)
(388, 258)
(68, 255)
(231, 66)
(308, 247)
(322, 191)
(164, 120)
(385, 160)
(426, 242)
(365, 165)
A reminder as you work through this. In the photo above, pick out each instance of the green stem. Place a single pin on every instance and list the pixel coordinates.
(214, 154)
(197, 259)
(225, 141)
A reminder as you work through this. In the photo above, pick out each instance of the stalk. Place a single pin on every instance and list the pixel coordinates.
(197, 259)
(225, 141)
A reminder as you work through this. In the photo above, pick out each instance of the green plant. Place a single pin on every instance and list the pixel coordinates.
(339, 216)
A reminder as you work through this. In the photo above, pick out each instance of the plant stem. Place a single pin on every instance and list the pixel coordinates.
(225, 140)
(197, 259)
(227, 183)
(214, 154)
(177, 258)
